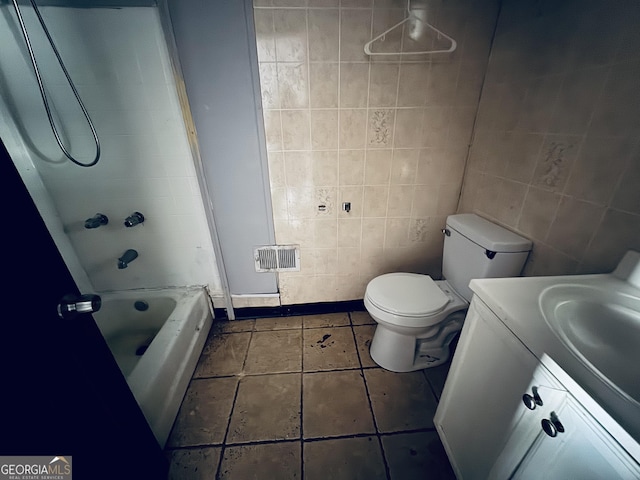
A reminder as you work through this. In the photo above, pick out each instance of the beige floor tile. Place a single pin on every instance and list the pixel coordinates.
(335, 403)
(329, 349)
(278, 323)
(204, 413)
(361, 318)
(344, 459)
(277, 351)
(400, 401)
(267, 408)
(364, 335)
(232, 326)
(194, 463)
(417, 455)
(223, 355)
(268, 461)
(325, 320)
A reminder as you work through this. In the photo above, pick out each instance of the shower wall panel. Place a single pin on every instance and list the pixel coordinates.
(119, 62)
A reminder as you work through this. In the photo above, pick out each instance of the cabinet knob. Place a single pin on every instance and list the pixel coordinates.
(530, 401)
(552, 425)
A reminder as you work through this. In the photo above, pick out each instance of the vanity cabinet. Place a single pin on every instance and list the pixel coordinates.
(495, 399)
(583, 451)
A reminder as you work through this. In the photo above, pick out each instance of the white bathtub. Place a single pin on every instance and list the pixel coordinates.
(157, 349)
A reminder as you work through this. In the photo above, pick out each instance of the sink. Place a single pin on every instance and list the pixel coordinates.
(601, 328)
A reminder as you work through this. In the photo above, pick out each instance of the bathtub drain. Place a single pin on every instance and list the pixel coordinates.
(141, 306)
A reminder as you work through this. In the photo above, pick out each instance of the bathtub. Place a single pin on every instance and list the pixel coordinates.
(156, 337)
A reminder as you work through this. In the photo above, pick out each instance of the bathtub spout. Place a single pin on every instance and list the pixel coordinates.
(126, 258)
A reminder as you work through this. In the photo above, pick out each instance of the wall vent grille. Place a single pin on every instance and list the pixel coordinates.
(277, 258)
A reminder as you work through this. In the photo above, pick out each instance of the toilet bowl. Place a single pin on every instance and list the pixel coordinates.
(417, 317)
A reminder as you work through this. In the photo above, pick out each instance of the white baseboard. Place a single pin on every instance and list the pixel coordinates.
(244, 301)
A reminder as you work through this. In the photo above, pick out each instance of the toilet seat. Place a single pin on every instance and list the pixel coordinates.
(407, 295)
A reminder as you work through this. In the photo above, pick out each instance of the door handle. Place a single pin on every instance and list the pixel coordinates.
(71, 306)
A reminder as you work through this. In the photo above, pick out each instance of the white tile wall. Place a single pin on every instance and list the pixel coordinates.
(119, 63)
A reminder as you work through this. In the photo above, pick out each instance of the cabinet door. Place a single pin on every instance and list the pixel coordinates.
(482, 399)
(583, 451)
(550, 396)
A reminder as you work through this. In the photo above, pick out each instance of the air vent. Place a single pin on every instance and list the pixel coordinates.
(277, 258)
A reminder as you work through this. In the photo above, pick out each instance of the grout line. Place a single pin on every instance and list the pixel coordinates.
(373, 416)
(264, 442)
(192, 447)
(226, 432)
(233, 406)
(310, 440)
(365, 157)
(302, 400)
(296, 440)
(364, 435)
(338, 146)
(303, 109)
(431, 386)
(331, 7)
(310, 149)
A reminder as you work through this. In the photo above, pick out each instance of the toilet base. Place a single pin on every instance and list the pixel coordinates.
(398, 352)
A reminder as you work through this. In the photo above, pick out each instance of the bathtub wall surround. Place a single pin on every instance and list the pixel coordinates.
(389, 135)
(127, 84)
(555, 153)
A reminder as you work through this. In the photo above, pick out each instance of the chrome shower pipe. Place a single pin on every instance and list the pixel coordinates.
(43, 93)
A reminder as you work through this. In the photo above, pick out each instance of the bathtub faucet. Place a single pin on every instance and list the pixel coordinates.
(134, 219)
(95, 221)
(126, 258)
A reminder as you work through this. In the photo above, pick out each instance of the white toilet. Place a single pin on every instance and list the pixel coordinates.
(418, 317)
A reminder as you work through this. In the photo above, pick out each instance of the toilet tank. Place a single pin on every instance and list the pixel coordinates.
(477, 248)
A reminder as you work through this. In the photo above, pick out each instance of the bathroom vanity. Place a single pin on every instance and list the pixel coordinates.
(536, 389)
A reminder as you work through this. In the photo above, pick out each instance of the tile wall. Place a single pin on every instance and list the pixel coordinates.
(388, 134)
(555, 153)
(119, 62)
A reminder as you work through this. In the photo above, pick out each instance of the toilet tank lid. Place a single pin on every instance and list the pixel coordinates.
(487, 234)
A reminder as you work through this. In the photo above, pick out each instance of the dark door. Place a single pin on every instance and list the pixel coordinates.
(61, 391)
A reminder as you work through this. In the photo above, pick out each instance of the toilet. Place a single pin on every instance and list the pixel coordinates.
(417, 317)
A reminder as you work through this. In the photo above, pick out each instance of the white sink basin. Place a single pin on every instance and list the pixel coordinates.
(601, 328)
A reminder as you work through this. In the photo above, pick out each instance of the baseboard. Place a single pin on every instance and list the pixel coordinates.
(246, 301)
(292, 310)
(252, 301)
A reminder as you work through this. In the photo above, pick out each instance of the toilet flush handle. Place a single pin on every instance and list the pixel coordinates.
(446, 232)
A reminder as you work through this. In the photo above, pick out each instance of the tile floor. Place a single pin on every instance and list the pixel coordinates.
(300, 398)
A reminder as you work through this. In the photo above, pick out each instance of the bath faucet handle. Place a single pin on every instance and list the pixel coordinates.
(134, 219)
(97, 220)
